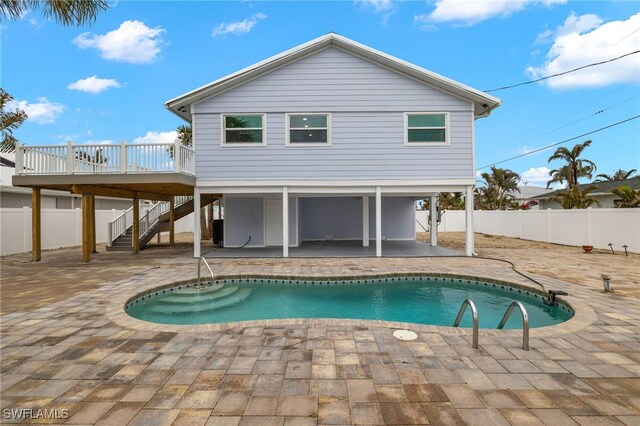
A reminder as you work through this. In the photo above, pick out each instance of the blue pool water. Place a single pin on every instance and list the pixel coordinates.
(420, 300)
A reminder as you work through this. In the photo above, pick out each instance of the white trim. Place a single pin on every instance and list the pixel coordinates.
(285, 222)
(447, 127)
(287, 134)
(468, 221)
(334, 183)
(378, 222)
(223, 141)
(196, 223)
(365, 221)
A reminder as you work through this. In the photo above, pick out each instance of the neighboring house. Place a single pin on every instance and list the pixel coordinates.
(602, 193)
(331, 140)
(18, 197)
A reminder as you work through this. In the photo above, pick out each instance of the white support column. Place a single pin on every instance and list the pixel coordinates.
(285, 221)
(433, 218)
(365, 221)
(468, 221)
(378, 222)
(196, 223)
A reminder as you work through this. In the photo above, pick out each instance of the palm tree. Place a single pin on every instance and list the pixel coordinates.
(501, 184)
(576, 198)
(185, 135)
(617, 175)
(9, 121)
(575, 167)
(628, 197)
(65, 12)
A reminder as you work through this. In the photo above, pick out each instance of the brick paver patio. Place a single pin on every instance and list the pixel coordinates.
(66, 345)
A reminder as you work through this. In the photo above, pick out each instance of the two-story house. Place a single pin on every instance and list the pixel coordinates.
(331, 140)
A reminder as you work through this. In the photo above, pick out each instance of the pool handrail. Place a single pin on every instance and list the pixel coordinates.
(474, 315)
(200, 260)
(525, 322)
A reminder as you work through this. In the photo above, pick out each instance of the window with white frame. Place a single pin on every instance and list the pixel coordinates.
(308, 129)
(243, 129)
(426, 128)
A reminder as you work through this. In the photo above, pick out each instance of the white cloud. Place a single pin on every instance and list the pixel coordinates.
(132, 42)
(583, 40)
(538, 176)
(472, 12)
(239, 27)
(94, 84)
(42, 112)
(157, 137)
(378, 6)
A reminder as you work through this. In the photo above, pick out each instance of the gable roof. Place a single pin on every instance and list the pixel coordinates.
(483, 102)
(602, 187)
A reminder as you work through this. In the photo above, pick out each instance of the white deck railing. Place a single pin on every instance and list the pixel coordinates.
(148, 219)
(104, 159)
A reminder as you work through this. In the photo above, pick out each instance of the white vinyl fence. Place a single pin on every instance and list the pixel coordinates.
(60, 228)
(576, 227)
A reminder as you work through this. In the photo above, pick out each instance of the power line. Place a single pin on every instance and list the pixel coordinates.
(563, 73)
(600, 111)
(626, 37)
(560, 143)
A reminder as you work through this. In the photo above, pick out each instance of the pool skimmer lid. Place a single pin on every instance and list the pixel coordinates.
(405, 335)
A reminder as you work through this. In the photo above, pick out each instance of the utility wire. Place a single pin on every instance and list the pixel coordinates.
(626, 37)
(600, 111)
(561, 142)
(562, 73)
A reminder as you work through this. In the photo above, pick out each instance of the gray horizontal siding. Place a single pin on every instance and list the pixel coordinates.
(367, 103)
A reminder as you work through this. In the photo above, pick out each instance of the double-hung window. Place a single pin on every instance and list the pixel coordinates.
(243, 129)
(426, 128)
(308, 129)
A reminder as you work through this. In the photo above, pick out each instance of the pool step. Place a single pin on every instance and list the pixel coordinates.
(189, 292)
(202, 297)
(236, 297)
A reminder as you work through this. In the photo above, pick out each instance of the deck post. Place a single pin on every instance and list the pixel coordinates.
(285, 221)
(433, 220)
(196, 223)
(36, 222)
(136, 225)
(92, 211)
(378, 221)
(172, 218)
(365, 221)
(86, 228)
(468, 221)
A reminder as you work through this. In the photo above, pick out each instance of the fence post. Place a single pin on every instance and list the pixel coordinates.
(589, 238)
(19, 158)
(70, 157)
(176, 156)
(123, 156)
(548, 225)
(26, 221)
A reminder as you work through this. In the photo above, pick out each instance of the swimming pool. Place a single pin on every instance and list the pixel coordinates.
(421, 300)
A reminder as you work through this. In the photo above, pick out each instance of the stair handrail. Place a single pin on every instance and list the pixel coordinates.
(525, 322)
(118, 226)
(150, 218)
(200, 260)
(474, 315)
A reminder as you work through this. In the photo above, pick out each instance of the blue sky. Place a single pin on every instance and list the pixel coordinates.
(109, 81)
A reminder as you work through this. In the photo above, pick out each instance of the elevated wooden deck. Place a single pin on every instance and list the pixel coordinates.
(157, 172)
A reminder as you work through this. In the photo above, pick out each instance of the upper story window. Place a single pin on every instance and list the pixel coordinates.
(308, 129)
(426, 128)
(243, 129)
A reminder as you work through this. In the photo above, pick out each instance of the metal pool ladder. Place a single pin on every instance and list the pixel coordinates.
(525, 322)
(474, 314)
(200, 260)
